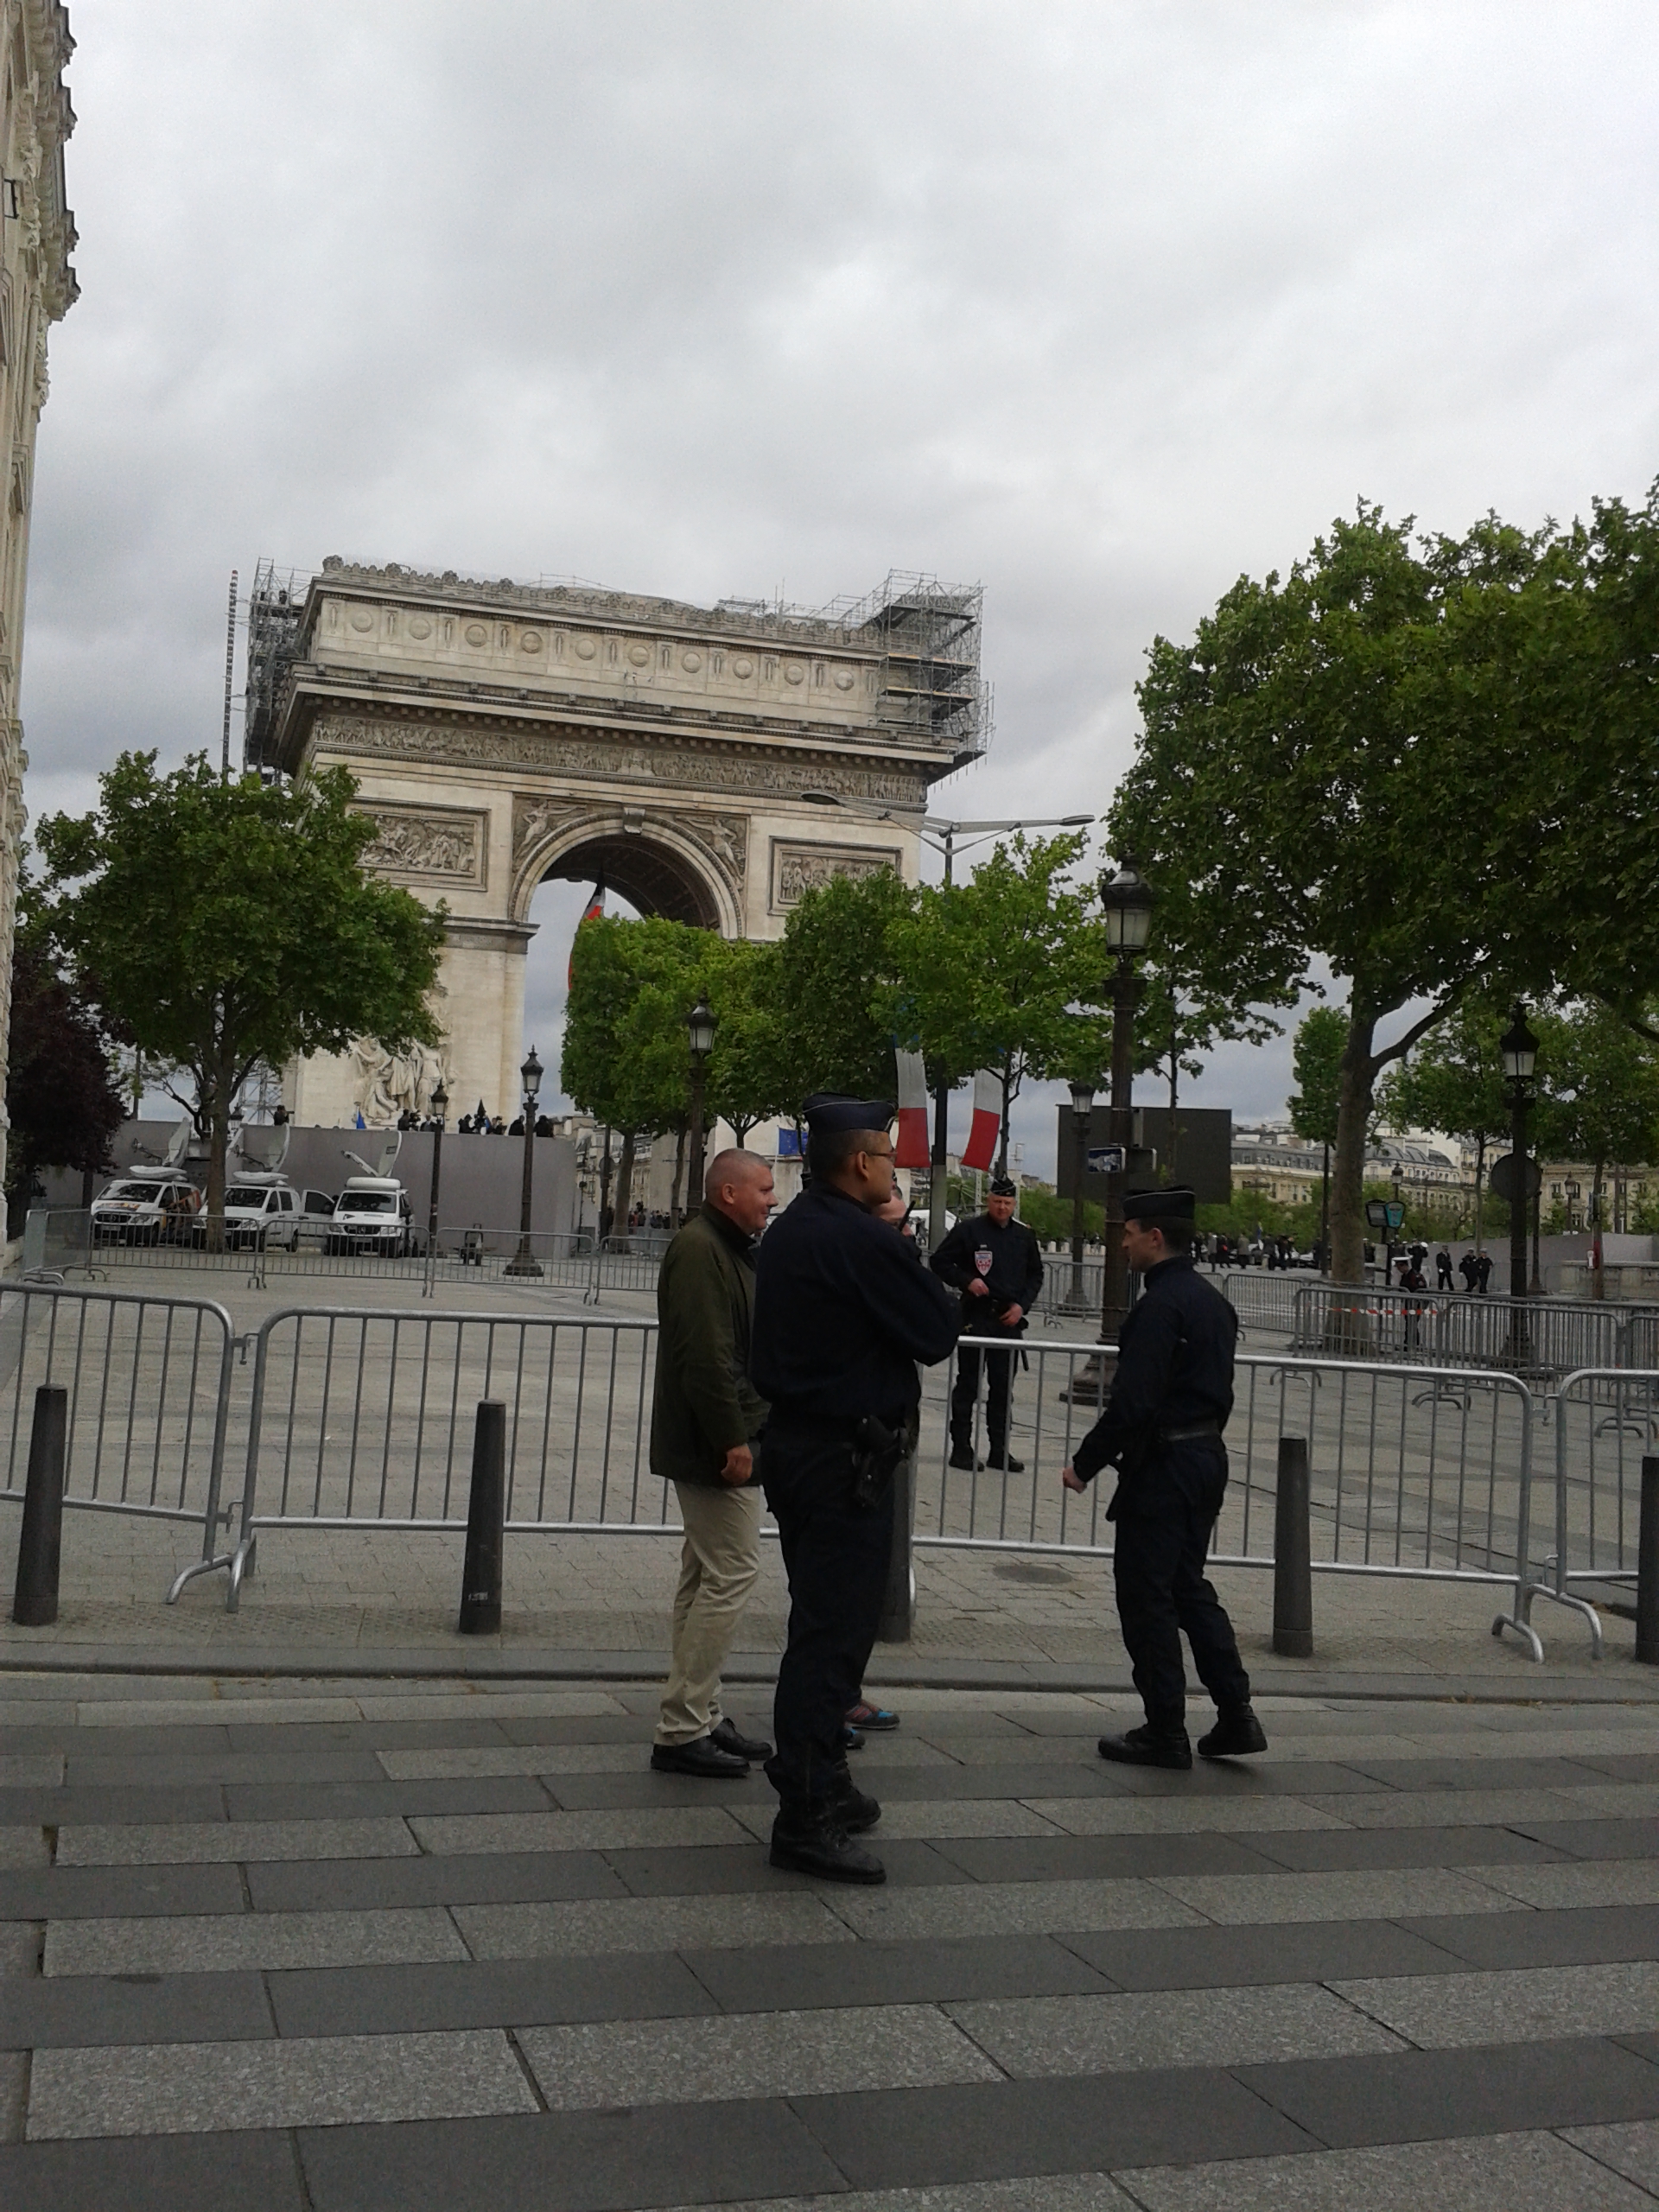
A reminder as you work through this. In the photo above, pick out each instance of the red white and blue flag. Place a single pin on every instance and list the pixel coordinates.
(981, 1148)
(912, 1150)
(592, 911)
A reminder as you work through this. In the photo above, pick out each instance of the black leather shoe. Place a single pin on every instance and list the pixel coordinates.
(962, 1455)
(822, 1847)
(702, 1757)
(1148, 1747)
(1236, 1734)
(1006, 1464)
(742, 1747)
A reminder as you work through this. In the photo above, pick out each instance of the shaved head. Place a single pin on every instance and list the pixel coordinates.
(739, 1184)
(734, 1166)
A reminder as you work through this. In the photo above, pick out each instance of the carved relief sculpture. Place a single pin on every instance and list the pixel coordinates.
(446, 846)
(796, 869)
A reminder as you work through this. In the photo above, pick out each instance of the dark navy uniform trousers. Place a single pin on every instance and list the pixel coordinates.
(1164, 1520)
(835, 1552)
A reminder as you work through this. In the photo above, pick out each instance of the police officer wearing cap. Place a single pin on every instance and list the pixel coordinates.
(844, 1311)
(1170, 1397)
(992, 1261)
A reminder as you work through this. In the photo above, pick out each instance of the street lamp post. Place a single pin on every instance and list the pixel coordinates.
(700, 1026)
(1396, 1176)
(1126, 899)
(440, 1104)
(1082, 1106)
(1518, 1048)
(523, 1261)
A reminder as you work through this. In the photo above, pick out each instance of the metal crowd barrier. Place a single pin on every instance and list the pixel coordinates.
(1534, 1336)
(1262, 1298)
(148, 1384)
(1605, 1420)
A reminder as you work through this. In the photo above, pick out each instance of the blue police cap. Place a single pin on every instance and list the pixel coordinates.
(824, 1113)
(1178, 1203)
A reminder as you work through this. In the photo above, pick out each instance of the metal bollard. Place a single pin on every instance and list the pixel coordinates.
(40, 1543)
(898, 1600)
(1647, 1568)
(487, 1513)
(1293, 1573)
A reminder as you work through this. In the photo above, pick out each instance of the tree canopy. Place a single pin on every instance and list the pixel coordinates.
(215, 924)
(62, 1106)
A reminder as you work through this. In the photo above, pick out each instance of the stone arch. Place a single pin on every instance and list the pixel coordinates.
(686, 872)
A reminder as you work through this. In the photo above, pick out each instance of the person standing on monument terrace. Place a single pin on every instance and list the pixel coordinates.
(993, 1261)
(706, 1417)
(844, 1311)
(1170, 1397)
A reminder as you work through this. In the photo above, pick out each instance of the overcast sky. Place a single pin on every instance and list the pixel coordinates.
(1099, 304)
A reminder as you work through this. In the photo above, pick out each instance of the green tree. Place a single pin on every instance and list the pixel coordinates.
(1402, 759)
(61, 1104)
(836, 981)
(999, 972)
(215, 924)
(755, 1069)
(1599, 1097)
(1452, 1081)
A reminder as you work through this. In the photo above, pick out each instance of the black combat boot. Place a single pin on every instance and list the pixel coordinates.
(962, 1455)
(807, 1838)
(852, 1809)
(1237, 1732)
(1149, 1746)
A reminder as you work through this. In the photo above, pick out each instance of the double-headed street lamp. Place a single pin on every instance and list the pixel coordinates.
(523, 1261)
(700, 1026)
(1127, 901)
(439, 1106)
(1518, 1049)
(1083, 1107)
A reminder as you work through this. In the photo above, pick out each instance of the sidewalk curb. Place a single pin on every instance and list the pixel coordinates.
(889, 1674)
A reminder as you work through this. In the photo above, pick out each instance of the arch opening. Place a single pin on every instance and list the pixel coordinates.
(653, 878)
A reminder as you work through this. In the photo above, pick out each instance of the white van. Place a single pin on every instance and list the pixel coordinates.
(371, 1214)
(159, 1208)
(265, 1213)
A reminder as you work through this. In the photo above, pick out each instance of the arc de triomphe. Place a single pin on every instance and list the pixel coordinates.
(711, 763)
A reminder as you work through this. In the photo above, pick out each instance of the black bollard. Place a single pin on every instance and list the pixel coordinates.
(1647, 1568)
(487, 1513)
(40, 1544)
(1293, 1573)
(898, 1600)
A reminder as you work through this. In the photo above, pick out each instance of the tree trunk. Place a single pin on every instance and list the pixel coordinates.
(1348, 1165)
(1174, 1092)
(679, 1178)
(625, 1182)
(1597, 1279)
(1480, 1189)
(218, 1145)
(1002, 1141)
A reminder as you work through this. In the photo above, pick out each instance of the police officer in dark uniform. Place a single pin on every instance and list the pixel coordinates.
(993, 1261)
(843, 1309)
(1162, 1430)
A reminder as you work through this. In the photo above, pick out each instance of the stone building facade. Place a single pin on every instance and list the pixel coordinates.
(712, 764)
(38, 288)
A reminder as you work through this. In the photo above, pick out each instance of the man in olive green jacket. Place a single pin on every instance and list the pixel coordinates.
(705, 1417)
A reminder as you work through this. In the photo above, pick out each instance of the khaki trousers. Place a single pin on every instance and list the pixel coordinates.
(718, 1565)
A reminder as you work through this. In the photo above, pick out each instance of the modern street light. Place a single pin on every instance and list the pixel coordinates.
(1127, 901)
(523, 1261)
(700, 1026)
(1518, 1049)
(1083, 1107)
(1396, 1176)
(941, 836)
(439, 1105)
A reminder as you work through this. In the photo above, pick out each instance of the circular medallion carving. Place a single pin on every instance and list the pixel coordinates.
(586, 648)
(419, 626)
(476, 633)
(794, 673)
(531, 642)
(638, 655)
(691, 661)
(843, 679)
(742, 665)
(362, 619)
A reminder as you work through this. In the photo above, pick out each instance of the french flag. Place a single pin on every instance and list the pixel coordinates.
(592, 911)
(981, 1148)
(912, 1150)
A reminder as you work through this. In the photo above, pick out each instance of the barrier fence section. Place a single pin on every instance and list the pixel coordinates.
(1416, 1474)
(362, 1416)
(1531, 1335)
(148, 1384)
(1605, 1421)
(1262, 1298)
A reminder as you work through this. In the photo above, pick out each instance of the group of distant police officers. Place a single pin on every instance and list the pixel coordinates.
(792, 1366)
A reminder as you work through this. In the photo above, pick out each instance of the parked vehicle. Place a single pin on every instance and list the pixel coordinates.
(260, 1211)
(371, 1214)
(145, 1210)
(314, 1223)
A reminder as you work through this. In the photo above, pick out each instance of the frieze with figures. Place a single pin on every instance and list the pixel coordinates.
(796, 869)
(447, 845)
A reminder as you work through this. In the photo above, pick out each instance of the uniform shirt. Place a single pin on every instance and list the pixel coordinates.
(1013, 1274)
(843, 1309)
(1174, 1368)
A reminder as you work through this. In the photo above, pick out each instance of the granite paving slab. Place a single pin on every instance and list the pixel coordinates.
(1516, 2006)
(91, 1892)
(324, 2080)
(584, 1927)
(37, 2012)
(505, 1992)
(1012, 1909)
(216, 1941)
(1036, 2036)
(1125, 1815)
(1565, 1936)
(1630, 2147)
(584, 1831)
(1310, 1951)
(786, 2053)
(1602, 1881)
(1533, 2169)
(177, 1843)
(1378, 1895)
(817, 1976)
(367, 1884)
(257, 2172)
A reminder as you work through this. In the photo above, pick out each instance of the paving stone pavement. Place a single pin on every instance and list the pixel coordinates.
(331, 1945)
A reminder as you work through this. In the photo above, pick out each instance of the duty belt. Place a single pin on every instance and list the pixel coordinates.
(1191, 1428)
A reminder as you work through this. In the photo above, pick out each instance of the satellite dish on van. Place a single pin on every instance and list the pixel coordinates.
(391, 1145)
(264, 1148)
(179, 1144)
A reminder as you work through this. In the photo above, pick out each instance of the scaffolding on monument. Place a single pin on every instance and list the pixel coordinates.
(931, 634)
(276, 614)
